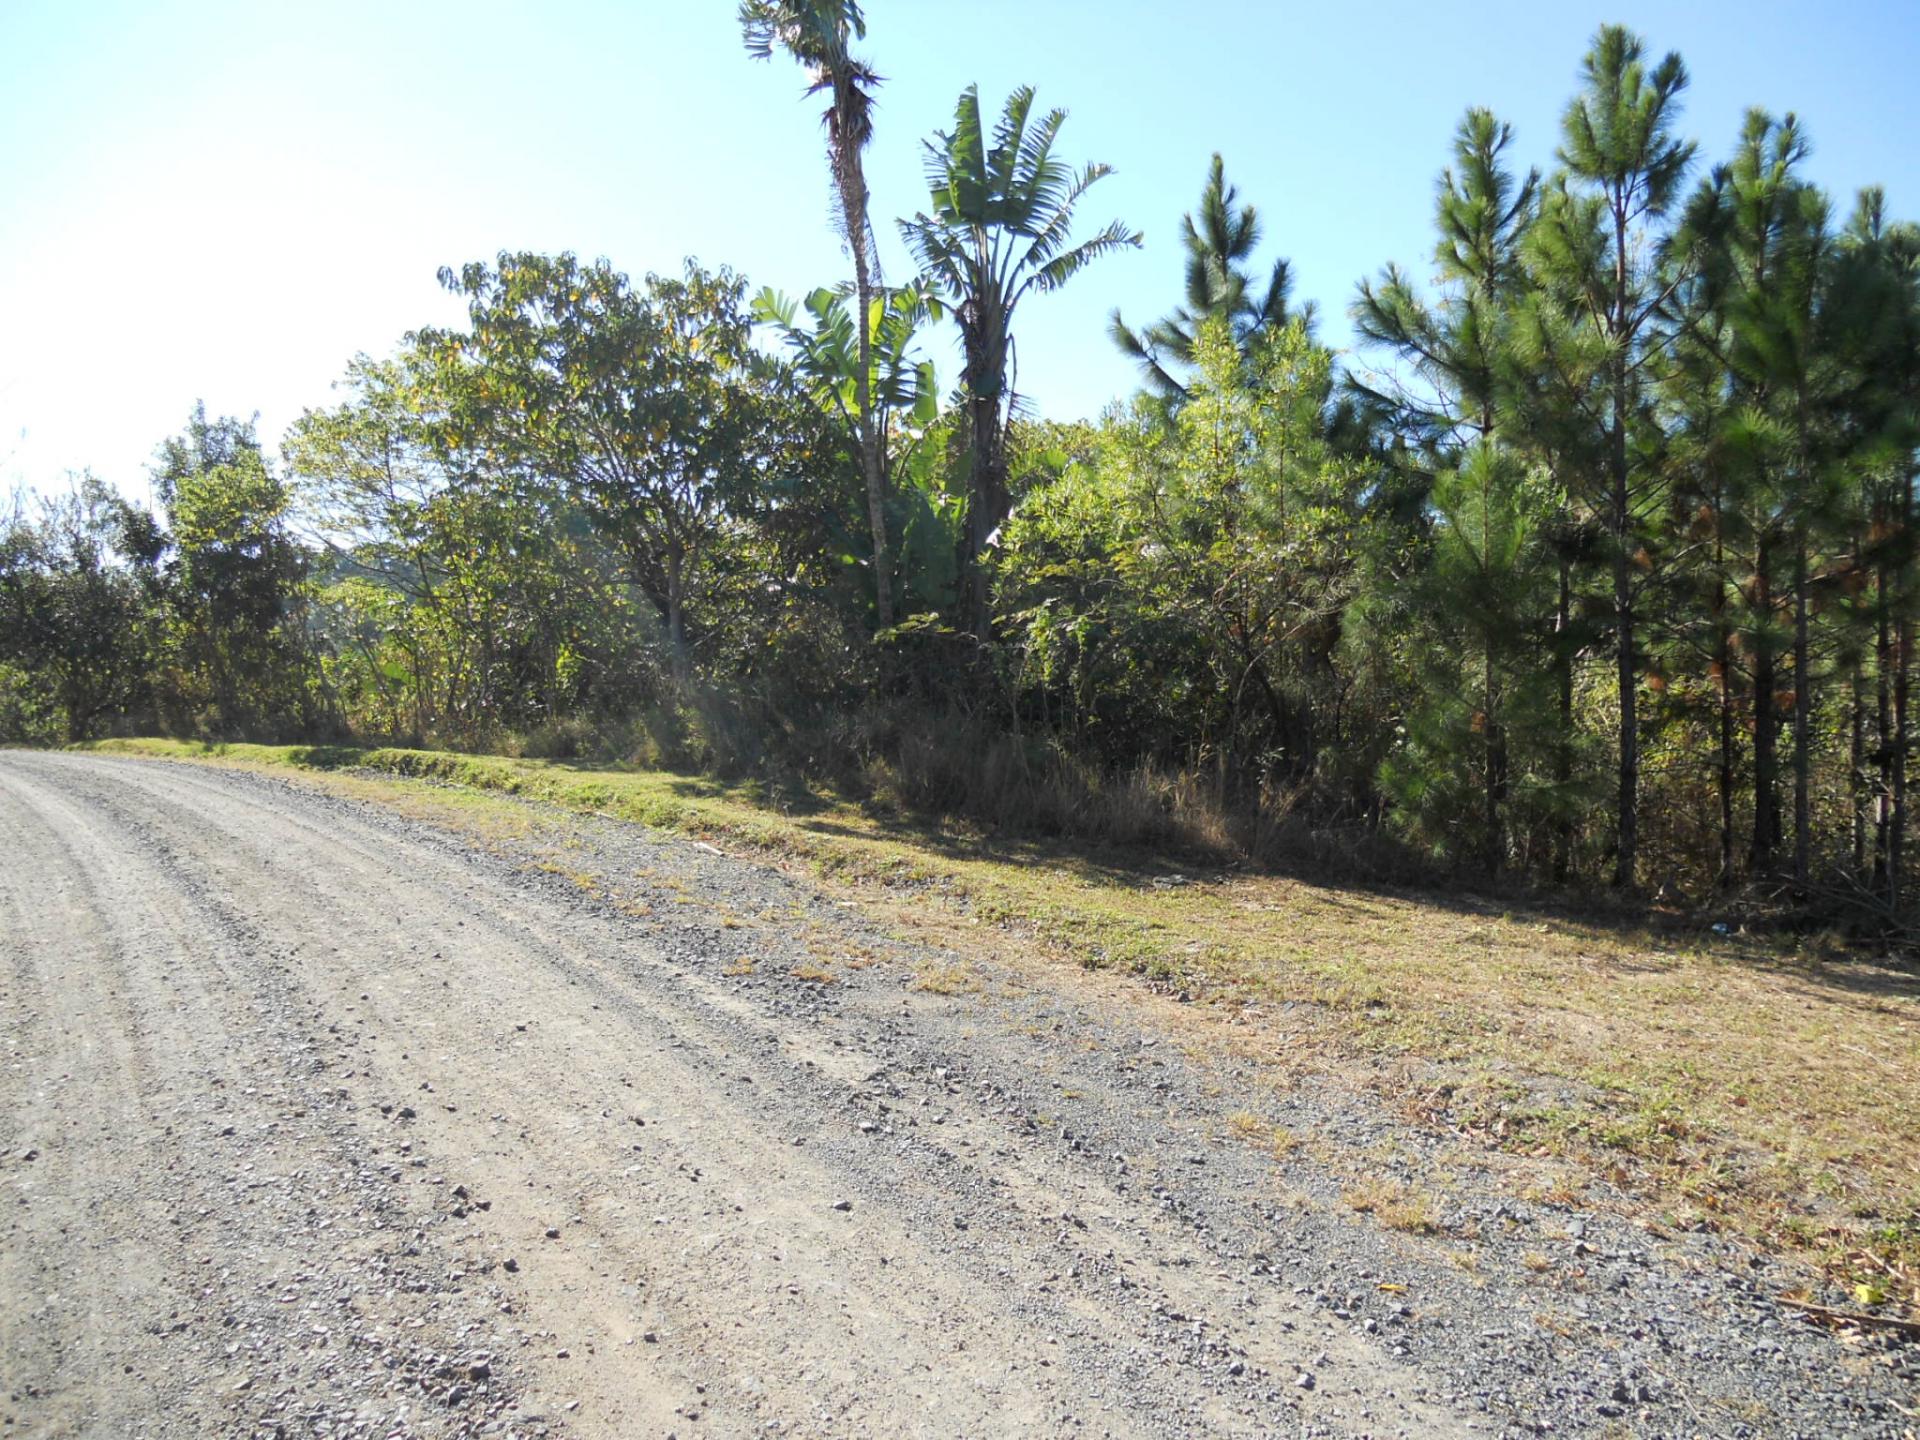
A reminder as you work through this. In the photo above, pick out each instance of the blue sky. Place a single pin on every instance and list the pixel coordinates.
(228, 200)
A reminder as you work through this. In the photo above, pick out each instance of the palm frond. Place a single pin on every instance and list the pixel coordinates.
(1062, 268)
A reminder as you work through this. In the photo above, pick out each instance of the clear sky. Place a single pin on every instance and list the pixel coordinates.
(229, 198)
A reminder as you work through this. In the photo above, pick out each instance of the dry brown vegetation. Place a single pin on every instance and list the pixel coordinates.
(1395, 1204)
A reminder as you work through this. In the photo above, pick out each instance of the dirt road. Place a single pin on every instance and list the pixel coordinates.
(319, 1121)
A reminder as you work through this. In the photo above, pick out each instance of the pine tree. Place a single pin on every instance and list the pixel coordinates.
(1452, 347)
(1219, 237)
(1488, 711)
(1756, 235)
(1474, 594)
(1622, 169)
(1701, 413)
(1873, 329)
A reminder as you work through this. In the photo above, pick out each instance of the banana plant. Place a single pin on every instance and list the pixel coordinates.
(822, 338)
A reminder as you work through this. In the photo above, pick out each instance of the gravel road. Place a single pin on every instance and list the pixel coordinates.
(320, 1121)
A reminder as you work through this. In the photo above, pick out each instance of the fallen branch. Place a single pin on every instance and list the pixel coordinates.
(1853, 1317)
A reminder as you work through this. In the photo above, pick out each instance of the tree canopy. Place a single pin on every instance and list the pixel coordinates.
(1592, 564)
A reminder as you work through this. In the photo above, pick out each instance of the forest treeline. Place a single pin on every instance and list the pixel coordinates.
(1591, 564)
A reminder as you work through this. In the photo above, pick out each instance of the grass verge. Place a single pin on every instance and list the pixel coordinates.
(1719, 1083)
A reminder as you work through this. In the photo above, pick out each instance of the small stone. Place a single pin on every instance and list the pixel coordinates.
(1305, 1382)
(553, 1233)
(843, 1205)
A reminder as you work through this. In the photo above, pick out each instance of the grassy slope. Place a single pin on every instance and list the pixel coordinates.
(1719, 1081)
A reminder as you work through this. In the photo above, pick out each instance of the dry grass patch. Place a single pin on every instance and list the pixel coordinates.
(945, 980)
(1246, 1124)
(1395, 1204)
(1276, 1139)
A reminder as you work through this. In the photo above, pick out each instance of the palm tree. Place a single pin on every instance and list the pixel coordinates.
(1218, 239)
(819, 34)
(1001, 228)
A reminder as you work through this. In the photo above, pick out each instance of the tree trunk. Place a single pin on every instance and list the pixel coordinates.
(1766, 722)
(1802, 711)
(1723, 659)
(1627, 833)
(853, 196)
(1292, 732)
(1883, 665)
(1897, 823)
(1902, 673)
(986, 505)
(1563, 744)
(973, 575)
(1859, 793)
(677, 615)
(1496, 765)
(1628, 820)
